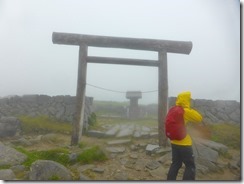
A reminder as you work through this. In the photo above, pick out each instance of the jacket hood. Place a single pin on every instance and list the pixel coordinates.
(184, 99)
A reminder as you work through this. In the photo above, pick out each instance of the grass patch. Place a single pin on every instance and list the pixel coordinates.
(58, 155)
(43, 124)
(227, 134)
(94, 154)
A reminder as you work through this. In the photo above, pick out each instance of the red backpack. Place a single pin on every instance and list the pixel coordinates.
(175, 126)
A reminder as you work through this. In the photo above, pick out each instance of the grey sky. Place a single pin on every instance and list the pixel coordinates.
(31, 64)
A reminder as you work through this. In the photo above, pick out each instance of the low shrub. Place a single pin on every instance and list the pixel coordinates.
(91, 155)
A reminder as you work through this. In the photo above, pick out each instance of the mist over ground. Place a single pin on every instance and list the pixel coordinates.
(31, 64)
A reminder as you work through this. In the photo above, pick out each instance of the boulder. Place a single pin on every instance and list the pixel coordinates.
(204, 152)
(7, 174)
(9, 156)
(213, 145)
(47, 169)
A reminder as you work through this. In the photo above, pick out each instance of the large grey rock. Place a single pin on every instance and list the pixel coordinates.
(213, 145)
(7, 174)
(46, 169)
(205, 153)
(208, 165)
(9, 126)
(10, 156)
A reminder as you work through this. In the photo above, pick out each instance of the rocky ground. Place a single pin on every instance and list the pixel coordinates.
(133, 154)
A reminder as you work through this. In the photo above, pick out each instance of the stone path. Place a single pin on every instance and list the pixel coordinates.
(125, 130)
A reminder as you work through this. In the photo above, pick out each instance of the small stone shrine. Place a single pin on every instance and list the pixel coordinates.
(134, 110)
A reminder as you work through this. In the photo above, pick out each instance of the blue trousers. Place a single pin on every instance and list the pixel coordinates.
(182, 154)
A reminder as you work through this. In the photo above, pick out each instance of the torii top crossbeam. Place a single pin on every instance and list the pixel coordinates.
(182, 47)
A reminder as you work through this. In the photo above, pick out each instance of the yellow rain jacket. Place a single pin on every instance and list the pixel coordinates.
(190, 115)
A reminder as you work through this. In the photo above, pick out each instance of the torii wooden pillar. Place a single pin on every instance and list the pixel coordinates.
(160, 46)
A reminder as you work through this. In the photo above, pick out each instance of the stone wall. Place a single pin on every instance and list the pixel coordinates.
(60, 107)
(63, 108)
(218, 111)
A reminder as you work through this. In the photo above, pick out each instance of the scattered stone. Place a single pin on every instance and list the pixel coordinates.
(133, 155)
(162, 150)
(7, 174)
(98, 170)
(137, 134)
(121, 176)
(151, 148)
(95, 133)
(153, 165)
(142, 145)
(159, 173)
(123, 161)
(46, 169)
(130, 164)
(134, 147)
(86, 167)
(165, 158)
(139, 165)
(83, 177)
(116, 149)
(124, 141)
(72, 157)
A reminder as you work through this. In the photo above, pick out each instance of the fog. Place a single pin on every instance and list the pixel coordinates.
(31, 64)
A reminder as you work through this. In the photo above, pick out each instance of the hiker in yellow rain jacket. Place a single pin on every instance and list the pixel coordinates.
(182, 151)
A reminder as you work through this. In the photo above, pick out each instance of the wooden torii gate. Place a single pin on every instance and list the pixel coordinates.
(161, 46)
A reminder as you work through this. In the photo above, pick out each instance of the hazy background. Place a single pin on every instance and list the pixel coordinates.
(31, 64)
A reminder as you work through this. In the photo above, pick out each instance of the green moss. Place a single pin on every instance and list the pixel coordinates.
(54, 178)
(57, 155)
(91, 155)
(43, 124)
